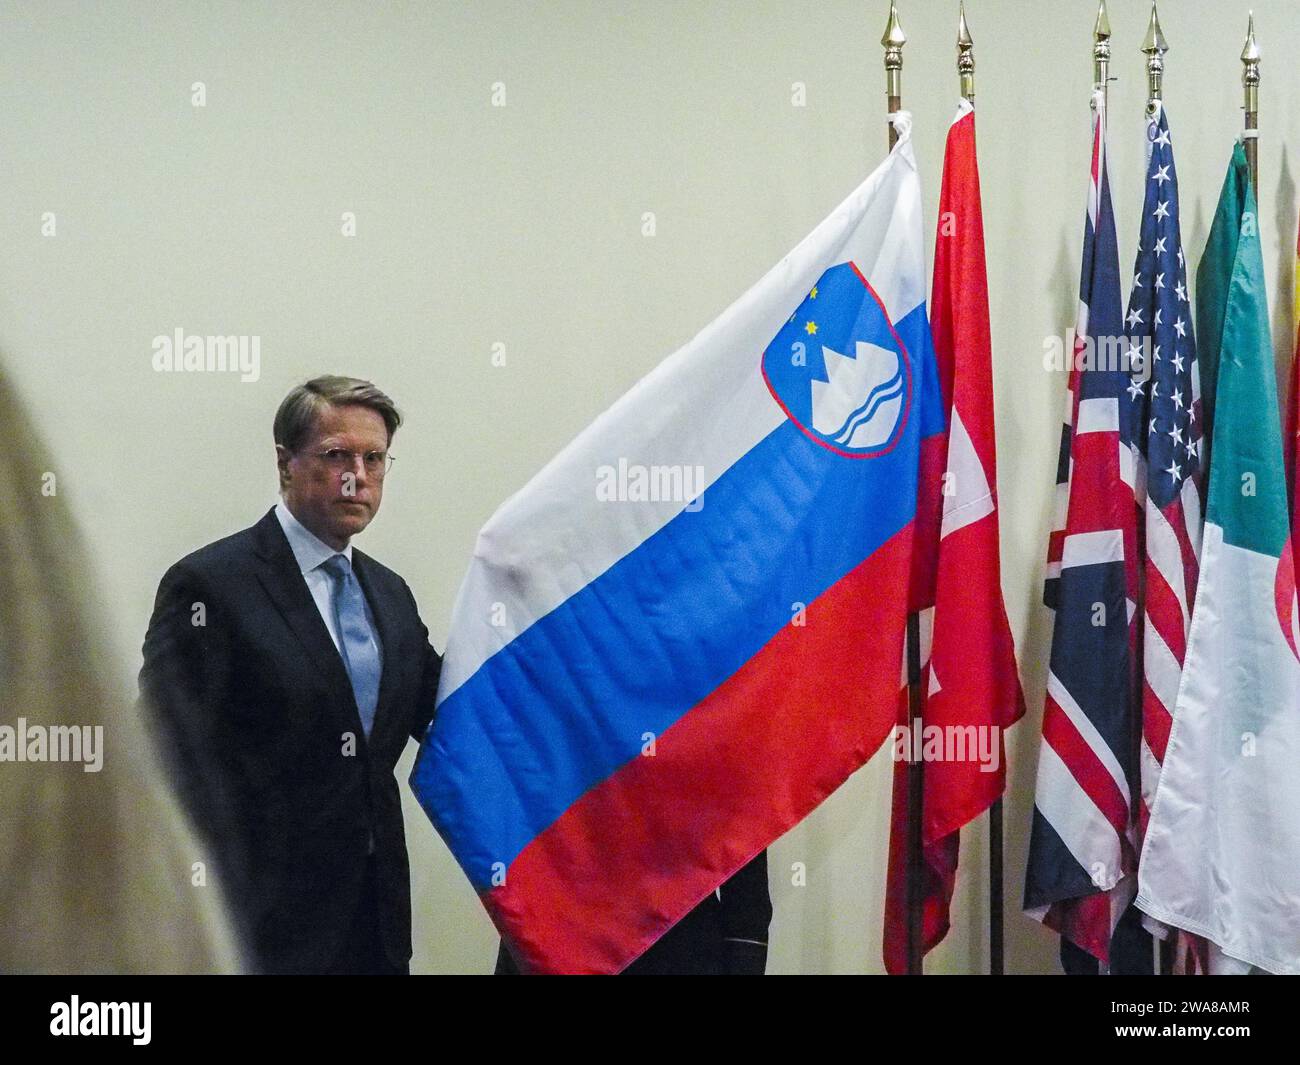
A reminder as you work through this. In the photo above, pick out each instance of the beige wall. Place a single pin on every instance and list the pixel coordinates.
(521, 225)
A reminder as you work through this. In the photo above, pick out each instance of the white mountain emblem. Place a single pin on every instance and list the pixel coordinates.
(859, 405)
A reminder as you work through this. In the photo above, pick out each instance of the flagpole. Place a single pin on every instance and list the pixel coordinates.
(1154, 47)
(1250, 83)
(1101, 52)
(965, 55)
(966, 76)
(893, 41)
(1101, 86)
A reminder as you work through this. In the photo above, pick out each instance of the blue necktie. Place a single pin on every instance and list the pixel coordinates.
(360, 650)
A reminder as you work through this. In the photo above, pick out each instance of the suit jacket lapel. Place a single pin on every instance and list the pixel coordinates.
(284, 583)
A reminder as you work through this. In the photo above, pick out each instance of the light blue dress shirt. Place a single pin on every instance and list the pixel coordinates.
(310, 552)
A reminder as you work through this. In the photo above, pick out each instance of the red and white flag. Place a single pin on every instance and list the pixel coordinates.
(969, 681)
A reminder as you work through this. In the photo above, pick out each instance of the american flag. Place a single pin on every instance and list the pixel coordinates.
(1164, 409)
(1082, 856)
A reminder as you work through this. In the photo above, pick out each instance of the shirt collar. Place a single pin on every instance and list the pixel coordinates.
(308, 548)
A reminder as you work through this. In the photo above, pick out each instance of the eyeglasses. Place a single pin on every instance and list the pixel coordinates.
(377, 463)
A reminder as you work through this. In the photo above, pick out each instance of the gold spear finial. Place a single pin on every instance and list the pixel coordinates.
(1101, 49)
(965, 54)
(893, 42)
(1251, 51)
(1154, 46)
(1250, 60)
(1250, 82)
(1102, 27)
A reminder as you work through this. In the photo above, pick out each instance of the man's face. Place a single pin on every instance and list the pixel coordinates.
(327, 483)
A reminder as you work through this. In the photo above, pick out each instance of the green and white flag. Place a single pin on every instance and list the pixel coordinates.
(1222, 852)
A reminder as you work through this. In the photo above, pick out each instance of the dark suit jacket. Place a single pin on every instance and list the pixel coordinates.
(254, 715)
(725, 935)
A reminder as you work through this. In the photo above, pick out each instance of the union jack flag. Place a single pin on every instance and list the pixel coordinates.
(1083, 856)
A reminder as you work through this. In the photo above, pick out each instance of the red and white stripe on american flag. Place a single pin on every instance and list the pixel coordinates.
(1170, 572)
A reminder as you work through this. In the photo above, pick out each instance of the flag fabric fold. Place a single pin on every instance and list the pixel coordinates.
(684, 632)
(1221, 858)
(970, 684)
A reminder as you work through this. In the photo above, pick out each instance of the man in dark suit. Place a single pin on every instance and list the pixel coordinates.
(283, 674)
(725, 935)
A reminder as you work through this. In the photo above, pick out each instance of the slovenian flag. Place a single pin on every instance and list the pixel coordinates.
(685, 632)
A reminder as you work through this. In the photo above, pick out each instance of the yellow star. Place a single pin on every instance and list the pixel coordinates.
(811, 328)
(813, 293)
